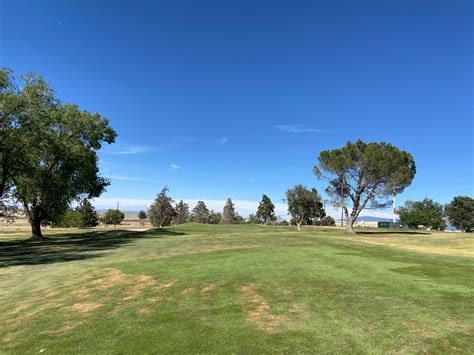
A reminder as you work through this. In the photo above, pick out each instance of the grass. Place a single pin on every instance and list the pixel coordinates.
(237, 289)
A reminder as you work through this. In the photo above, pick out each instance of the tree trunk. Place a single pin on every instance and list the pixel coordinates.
(36, 229)
(350, 224)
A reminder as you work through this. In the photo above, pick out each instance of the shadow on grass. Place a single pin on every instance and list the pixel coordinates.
(391, 232)
(71, 246)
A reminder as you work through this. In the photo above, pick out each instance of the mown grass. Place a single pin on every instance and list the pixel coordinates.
(237, 289)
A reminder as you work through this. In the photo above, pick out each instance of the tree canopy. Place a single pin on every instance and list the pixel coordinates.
(460, 213)
(363, 174)
(426, 213)
(112, 216)
(182, 213)
(228, 213)
(48, 149)
(265, 210)
(200, 213)
(161, 211)
(303, 204)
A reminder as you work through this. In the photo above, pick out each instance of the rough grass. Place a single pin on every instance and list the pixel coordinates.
(237, 289)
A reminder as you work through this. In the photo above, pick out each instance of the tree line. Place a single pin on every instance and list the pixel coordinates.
(49, 163)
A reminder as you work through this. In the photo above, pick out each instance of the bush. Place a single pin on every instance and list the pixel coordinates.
(112, 217)
(71, 219)
(327, 221)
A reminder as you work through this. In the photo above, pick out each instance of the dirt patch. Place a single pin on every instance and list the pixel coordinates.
(139, 285)
(113, 277)
(82, 292)
(85, 308)
(207, 289)
(258, 311)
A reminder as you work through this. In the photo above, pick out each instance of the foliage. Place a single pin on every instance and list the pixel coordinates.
(228, 214)
(326, 221)
(266, 210)
(48, 149)
(182, 213)
(215, 217)
(303, 204)
(426, 213)
(253, 219)
(112, 217)
(364, 173)
(71, 219)
(161, 212)
(460, 213)
(200, 213)
(89, 215)
(239, 219)
(142, 214)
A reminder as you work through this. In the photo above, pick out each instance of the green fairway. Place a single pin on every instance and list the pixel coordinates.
(237, 289)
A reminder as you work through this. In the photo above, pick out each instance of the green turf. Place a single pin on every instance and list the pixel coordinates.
(237, 289)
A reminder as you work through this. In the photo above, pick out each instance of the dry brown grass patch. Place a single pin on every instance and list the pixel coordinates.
(85, 308)
(207, 289)
(258, 311)
(113, 277)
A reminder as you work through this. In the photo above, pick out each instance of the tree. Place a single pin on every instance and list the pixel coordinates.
(112, 217)
(48, 150)
(161, 212)
(182, 213)
(141, 214)
(364, 173)
(426, 213)
(303, 204)
(326, 221)
(266, 210)
(200, 213)
(215, 217)
(239, 219)
(71, 219)
(460, 213)
(89, 215)
(228, 213)
(253, 219)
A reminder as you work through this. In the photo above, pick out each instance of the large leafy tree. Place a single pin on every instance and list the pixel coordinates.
(266, 210)
(460, 213)
(364, 174)
(200, 213)
(112, 216)
(304, 205)
(48, 150)
(182, 213)
(228, 213)
(215, 217)
(161, 212)
(426, 213)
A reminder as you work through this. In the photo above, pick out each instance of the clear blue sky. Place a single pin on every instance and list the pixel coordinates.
(197, 90)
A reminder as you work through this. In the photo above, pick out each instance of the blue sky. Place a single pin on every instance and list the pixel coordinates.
(222, 99)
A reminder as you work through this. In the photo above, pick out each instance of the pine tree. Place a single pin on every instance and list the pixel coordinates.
(182, 213)
(89, 215)
(200, 213)
(266, 210)
(228, 214)
(161, 211)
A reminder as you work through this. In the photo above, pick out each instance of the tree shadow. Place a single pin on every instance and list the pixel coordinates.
(72, 246)
(391, 232)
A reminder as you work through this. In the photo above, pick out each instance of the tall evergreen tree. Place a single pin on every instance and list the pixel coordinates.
(200, 213)
(228, 214)
(89, 215)
(266, 210)
(182, 213)
(161, 212)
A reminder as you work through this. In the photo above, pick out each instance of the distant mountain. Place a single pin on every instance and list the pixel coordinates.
(372, 219)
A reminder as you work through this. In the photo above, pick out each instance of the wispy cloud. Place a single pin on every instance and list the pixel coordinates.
(297, 129)
(123, 178)
(125, 149)
(174, 167)
(222, 141)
